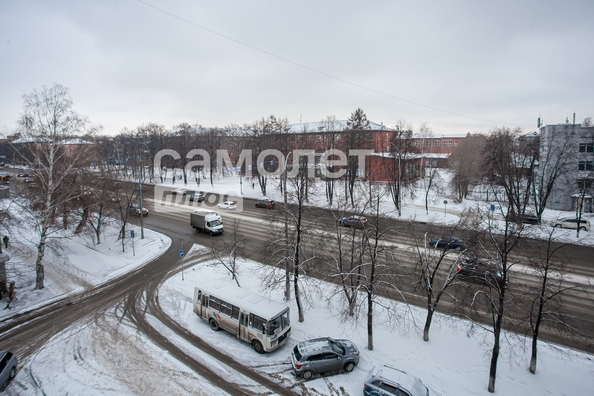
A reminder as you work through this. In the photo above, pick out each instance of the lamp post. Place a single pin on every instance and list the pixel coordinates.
(140, 199)
(287, 267)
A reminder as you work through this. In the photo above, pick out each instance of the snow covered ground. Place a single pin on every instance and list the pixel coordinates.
(111, 358)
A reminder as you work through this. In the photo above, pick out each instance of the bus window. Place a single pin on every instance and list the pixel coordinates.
(258, 322)
(226, 308)
(235, 313)
(214, 303)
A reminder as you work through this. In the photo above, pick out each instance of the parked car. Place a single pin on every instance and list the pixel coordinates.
(323, 355)
(198, 197)
(571, 222)
(481, 271)
(8, 367)
(527, 218)
(229, 205)
(353, 221)
(206, 211)
(265, 203)
(134, 209)
(450, 242)
(384, 380)
(179, 191)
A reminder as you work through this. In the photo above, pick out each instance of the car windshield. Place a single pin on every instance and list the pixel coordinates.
(278, 323)
(215, 223)
(336, 347)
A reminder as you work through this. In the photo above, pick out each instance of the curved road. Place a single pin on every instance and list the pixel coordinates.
(28, 332)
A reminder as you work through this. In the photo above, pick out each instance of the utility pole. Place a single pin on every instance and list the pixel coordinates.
(140, 198)
(287, 266)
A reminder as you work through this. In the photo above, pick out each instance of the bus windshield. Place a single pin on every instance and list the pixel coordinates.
(278, 323)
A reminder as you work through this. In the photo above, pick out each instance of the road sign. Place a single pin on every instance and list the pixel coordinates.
(492, 208)
(131, 233)
(181, 253)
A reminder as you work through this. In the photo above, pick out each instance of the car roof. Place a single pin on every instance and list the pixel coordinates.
(314, 345)
(407, 381)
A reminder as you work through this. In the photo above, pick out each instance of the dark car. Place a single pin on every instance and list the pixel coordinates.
(134, 209)
(8, 367)
(526, 218)
(323, 355)
(353, 221)
(198, 197)
(265, 203)
(24, 175)
(450, 242)
(481, 271)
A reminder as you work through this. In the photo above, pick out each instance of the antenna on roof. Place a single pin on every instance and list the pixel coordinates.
(300, 115)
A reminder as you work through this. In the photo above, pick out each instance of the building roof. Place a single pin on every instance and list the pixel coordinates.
(339, 125)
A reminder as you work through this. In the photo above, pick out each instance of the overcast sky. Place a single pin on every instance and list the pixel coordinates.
(459, 66)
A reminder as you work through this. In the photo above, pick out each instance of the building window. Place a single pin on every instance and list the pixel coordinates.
(300, 138)
(415, 143)
(370, 136)
(292, 139)
(427, 143)
(436, 143)
(586, 147)
(448, 143)
(309, 138)
(336, 137)
(327, 138)
(455, 143)
(586, 165)
(585, 184)
(318, 138)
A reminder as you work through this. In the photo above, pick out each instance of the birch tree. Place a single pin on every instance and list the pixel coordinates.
(48, 123)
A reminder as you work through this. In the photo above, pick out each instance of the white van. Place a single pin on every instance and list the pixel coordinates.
(572, 222)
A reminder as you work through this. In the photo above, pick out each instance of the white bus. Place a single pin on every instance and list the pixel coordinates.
(262, 322)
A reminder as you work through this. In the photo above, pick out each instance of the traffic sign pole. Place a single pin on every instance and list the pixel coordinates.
(181, 254)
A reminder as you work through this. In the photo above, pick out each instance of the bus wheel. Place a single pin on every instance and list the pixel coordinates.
(213, 324)
(258, 346)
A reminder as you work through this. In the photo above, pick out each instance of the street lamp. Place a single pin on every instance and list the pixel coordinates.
(287, 267)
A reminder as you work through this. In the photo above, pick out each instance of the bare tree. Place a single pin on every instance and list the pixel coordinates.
(546, 308)
(431, 175)
(49, 122)
(466, 164)
(330, 125)
(507, 161)
(229, 254)
(436, 275)
(356, 124)
(398, 170)
(554, 156)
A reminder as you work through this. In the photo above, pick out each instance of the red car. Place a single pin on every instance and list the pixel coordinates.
(265, 203)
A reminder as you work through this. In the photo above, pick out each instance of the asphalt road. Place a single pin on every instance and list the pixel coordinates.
(26, 333)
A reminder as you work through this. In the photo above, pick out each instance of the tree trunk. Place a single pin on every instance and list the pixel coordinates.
(496, 347)
(369, 321)
(428, 320)
(297, 293)
(39, 263)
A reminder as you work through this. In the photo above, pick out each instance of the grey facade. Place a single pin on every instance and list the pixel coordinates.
(569, 150)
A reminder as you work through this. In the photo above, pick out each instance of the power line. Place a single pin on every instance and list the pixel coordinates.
(315, 70)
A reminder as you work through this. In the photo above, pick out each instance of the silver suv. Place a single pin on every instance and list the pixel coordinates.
(387, 381)
(323, 355)
(8, 366)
